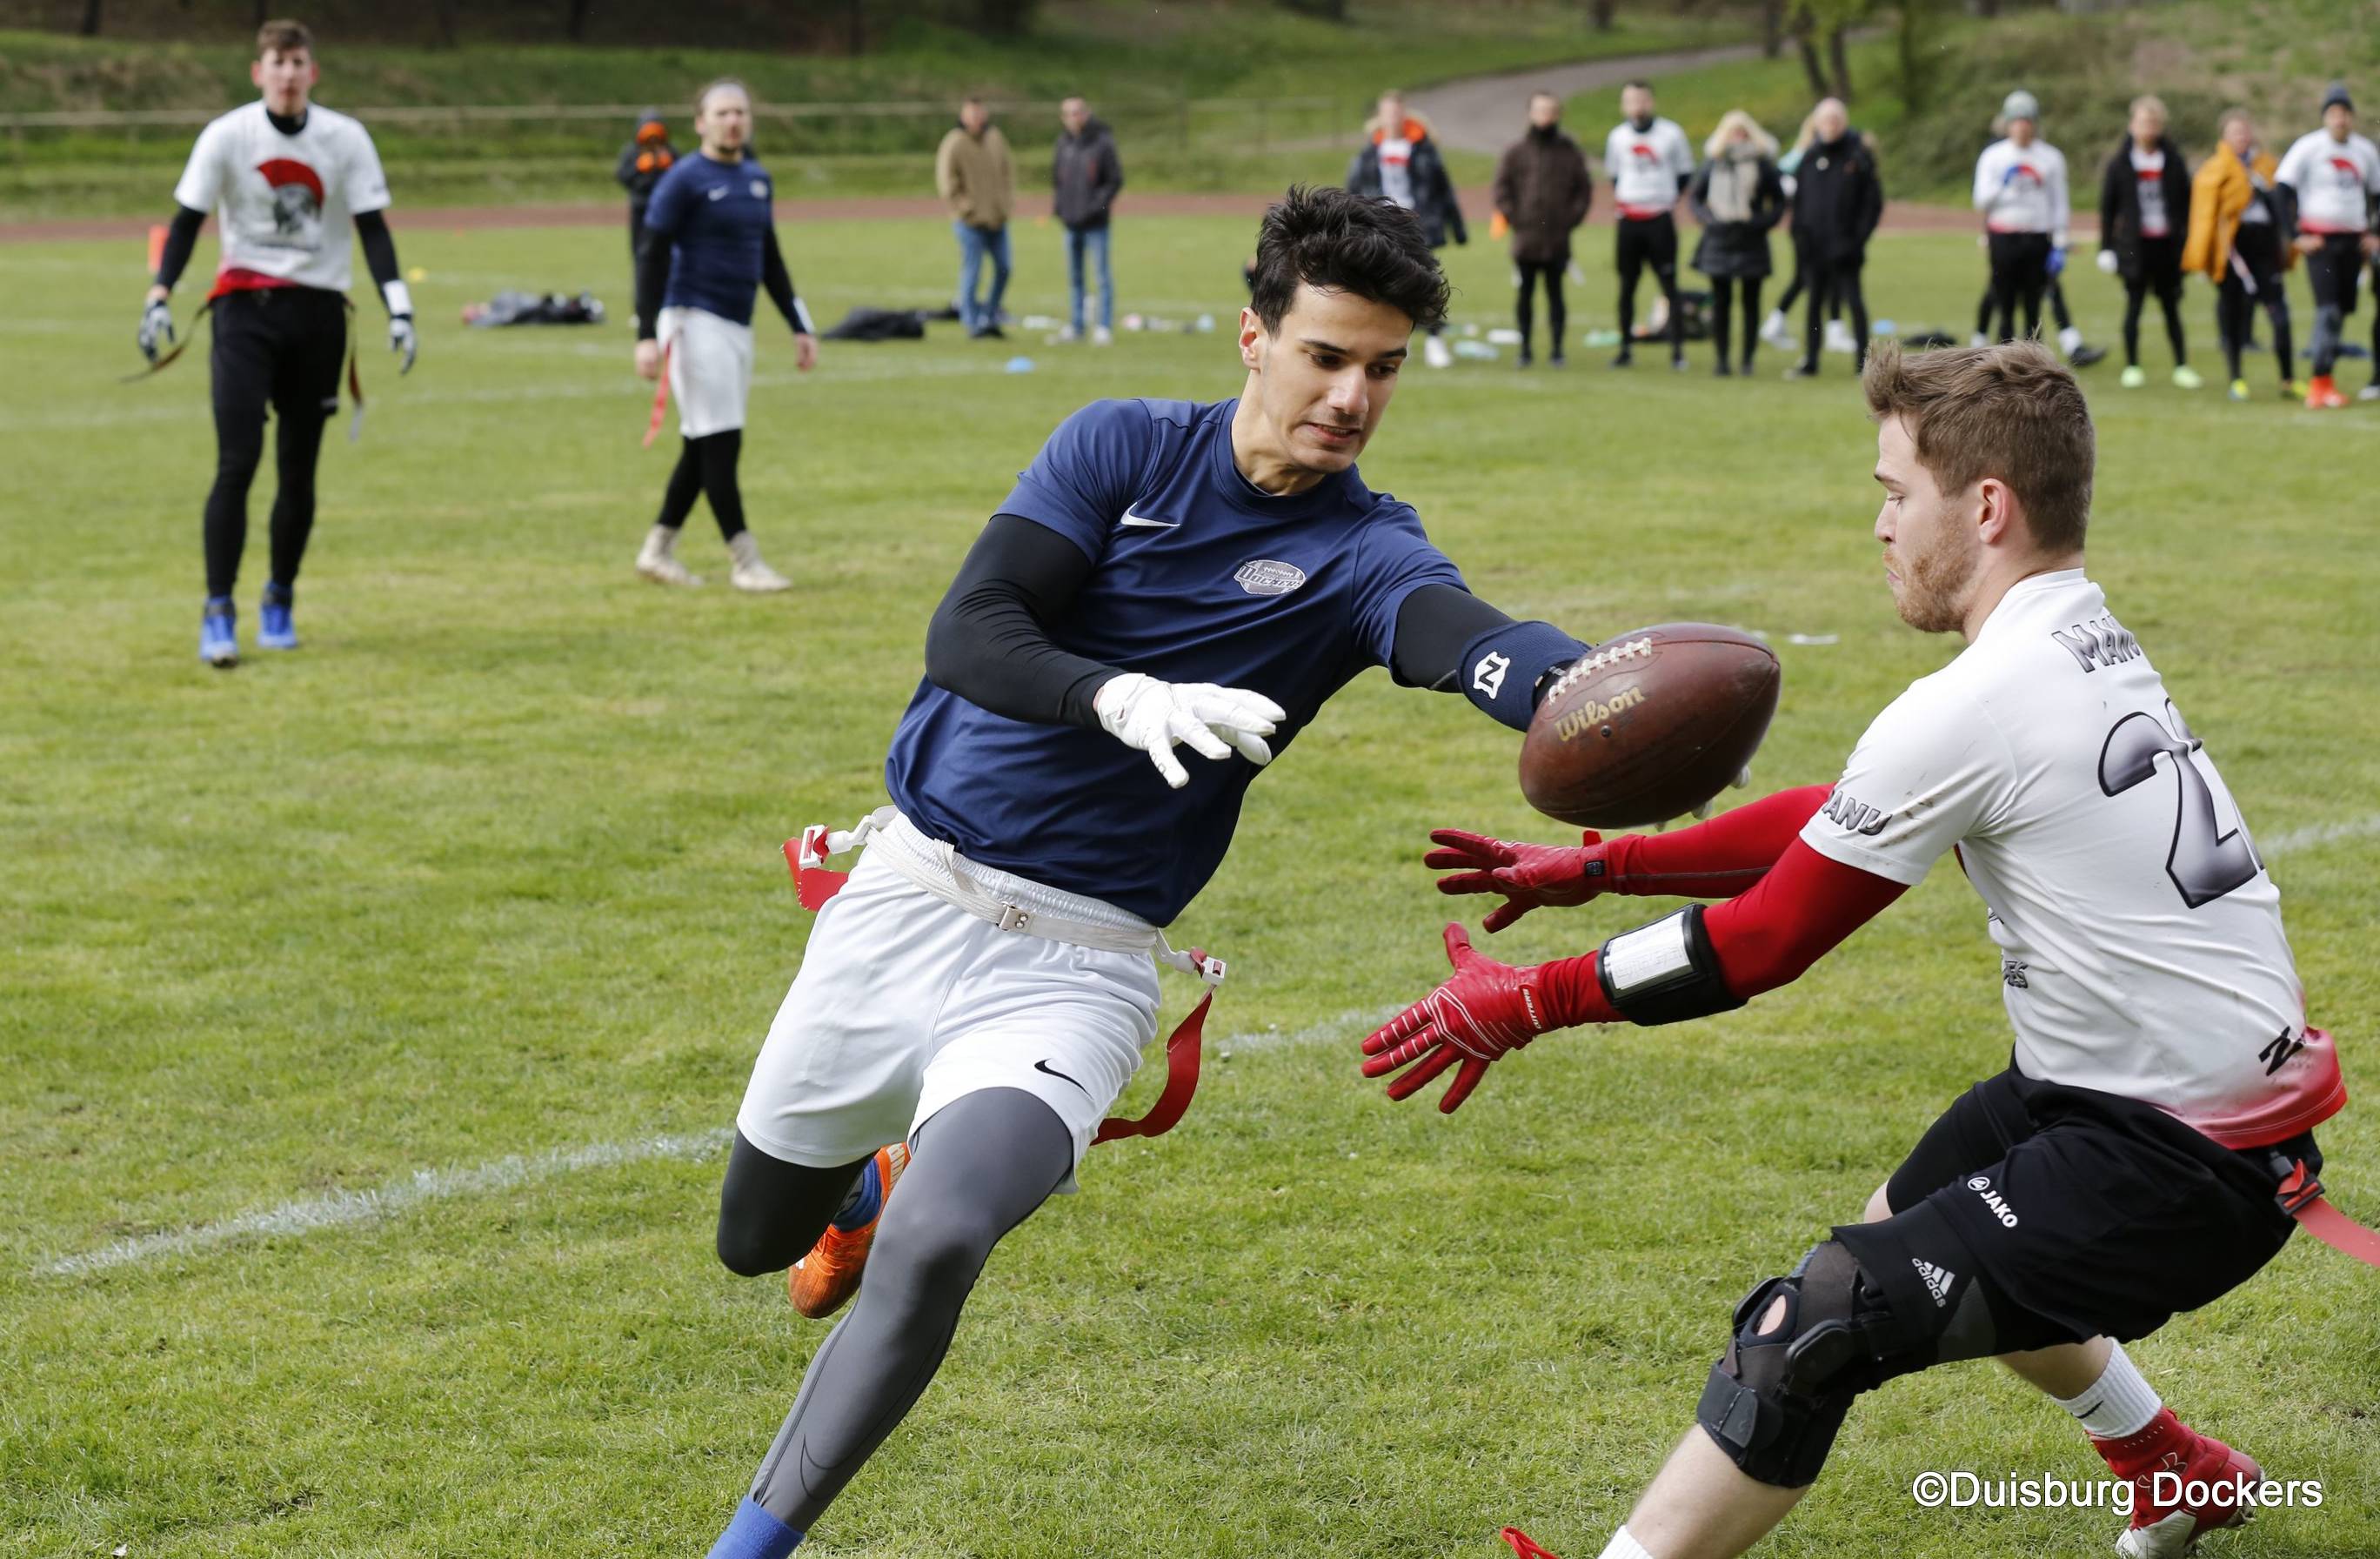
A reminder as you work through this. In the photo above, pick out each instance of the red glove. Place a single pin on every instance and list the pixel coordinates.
(1529, 876)
(1483, 1011)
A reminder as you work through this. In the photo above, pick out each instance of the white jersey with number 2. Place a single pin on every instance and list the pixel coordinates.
(2141, 945)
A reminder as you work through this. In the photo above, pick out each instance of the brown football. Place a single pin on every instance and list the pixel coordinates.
(1651, 726)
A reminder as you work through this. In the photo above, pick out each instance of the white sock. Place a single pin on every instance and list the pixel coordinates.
(660, 541)
(1623, 1546)
(743, 549)
(2070, 339)
(2119, 1403)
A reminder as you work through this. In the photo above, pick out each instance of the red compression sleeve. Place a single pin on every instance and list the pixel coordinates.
(1797, 913)
(1719, 859)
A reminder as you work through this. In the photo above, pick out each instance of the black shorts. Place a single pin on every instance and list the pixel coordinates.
(280, 347)
(1649, 240)
(2159, 267)
(2335, 269)
(2083, 1212)
(2019, 261)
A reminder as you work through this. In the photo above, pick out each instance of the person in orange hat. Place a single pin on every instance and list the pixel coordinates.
(647, 155)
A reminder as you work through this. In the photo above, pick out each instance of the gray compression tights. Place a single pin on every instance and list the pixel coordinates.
(977, 1169)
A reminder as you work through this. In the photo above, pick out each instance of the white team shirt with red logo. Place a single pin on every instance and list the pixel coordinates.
(2148, 172)
(1645, 165)
(2336, 181)
(283, 202)
(2140, 936)
(2023, 188)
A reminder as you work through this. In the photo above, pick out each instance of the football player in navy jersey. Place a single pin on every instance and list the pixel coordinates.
(710, 244)
(977, 994)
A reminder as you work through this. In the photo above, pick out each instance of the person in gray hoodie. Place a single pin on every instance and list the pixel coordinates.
(1085, 174)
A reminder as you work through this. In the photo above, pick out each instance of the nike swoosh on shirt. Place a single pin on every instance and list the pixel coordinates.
(1044, 1065)
(719, 192)
(1131, 518)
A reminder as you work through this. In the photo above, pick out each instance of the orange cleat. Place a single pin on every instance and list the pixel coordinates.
(2322, 395)
(822, 1281)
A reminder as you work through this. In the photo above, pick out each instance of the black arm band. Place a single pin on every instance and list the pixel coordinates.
(1449, 640)
(1664, 971)
(379, 249)
(989, 641)
(779, 283)
(653, 281)
(180, 240)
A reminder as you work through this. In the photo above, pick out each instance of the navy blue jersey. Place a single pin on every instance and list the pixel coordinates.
(715, 216)
(1198, 577)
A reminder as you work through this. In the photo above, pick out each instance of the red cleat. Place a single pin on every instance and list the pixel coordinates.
(2184, 1485)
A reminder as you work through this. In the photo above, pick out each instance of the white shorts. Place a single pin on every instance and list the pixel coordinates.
(710, 368)
(906, 1003)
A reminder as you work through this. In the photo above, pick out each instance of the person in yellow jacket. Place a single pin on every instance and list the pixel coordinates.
(2235, 242)
(976, 179)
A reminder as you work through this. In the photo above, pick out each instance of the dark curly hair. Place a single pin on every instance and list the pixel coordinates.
(1335, 241)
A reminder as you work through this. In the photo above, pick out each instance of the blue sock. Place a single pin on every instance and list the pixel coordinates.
(866, 1201)
(755, 1534)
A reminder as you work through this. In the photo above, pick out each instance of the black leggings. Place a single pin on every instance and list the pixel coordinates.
(1523, 307)
(2253, 279)
(2158, 271)
(1723, 309)
(707, 465)
(1640, 242)
(1836, 283)
(2020, 275)
(277, 347)
(976, 1171)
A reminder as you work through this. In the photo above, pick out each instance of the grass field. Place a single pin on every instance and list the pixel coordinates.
(438, 953)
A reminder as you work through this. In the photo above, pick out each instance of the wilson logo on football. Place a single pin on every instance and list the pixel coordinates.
(1590, 714)
(1265, 576)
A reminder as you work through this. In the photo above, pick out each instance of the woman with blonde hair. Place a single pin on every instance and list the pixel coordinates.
(2144, 212)
(2235, 242)
(1738, 196)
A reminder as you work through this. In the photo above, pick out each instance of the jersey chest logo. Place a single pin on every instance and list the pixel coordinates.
(296, 199)
(1263, 576)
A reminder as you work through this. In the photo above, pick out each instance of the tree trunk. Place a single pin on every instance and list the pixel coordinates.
(90, 9)
(443, 13)
(1839, 58)
(855, 12)
(576, 26)
(1601, 12)
(1772, 29)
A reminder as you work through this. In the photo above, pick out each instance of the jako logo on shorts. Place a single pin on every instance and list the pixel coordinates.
(1982, 1186)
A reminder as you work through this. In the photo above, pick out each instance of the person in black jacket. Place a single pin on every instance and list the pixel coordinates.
(2143, 218)
(1085, 174)
(1401, 163)
(1738, 196)
(646, 156)
(1837, 201)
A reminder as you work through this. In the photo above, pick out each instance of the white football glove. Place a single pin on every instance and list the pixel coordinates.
(2107, 261)
(1141, 711)
(403, 341)
(156, 327)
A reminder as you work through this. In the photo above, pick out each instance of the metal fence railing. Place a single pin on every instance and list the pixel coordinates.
(1255, 124)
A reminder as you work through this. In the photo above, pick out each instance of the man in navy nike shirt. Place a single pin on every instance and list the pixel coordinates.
(710, 244)
(979, 991)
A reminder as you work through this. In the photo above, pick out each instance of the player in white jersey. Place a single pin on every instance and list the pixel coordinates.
(1650, 163)
(287, 178)
(2165, 1084)
(2021, 188)
(2329, 189)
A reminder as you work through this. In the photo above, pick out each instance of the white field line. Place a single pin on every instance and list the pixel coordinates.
(346, 1209)
(2317, 834)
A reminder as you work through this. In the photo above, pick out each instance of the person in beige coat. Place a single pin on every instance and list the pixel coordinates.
(978, 181)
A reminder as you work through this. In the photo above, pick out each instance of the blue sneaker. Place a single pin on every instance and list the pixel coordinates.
(275, 630)
(219, 634)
